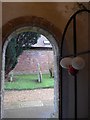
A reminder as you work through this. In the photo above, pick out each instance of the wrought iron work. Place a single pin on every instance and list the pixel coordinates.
(75, 53)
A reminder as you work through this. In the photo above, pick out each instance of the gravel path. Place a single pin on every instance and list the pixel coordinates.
(14, 97)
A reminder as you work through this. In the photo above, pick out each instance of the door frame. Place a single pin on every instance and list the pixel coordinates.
(48, 30)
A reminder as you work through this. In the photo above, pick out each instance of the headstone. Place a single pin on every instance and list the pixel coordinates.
(39, 73)
(11, 76)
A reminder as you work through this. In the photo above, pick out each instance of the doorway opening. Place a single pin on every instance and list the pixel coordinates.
(53, 47)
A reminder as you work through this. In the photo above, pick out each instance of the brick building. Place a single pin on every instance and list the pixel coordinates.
(28, 60)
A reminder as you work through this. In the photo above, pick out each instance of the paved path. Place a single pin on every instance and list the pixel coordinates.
(19, 98)
(29, 103)
(32, 112)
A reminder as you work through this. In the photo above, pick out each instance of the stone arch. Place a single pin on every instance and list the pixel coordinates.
(48, 30)
(16, 23)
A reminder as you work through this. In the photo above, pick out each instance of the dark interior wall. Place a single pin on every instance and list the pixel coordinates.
(89, 86)
(89, 65)
(0, 48)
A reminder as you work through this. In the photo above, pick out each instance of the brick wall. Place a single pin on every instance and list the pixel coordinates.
(27, 61)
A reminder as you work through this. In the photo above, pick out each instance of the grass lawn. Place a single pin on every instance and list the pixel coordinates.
(29, 82)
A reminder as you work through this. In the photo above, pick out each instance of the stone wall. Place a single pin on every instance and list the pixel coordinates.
(27, 61)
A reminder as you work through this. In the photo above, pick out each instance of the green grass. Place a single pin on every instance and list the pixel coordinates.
(29, 82)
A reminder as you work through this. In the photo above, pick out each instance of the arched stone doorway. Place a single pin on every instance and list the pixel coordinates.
(36, 24)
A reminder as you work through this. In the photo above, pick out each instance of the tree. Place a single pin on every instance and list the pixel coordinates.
(17, 44)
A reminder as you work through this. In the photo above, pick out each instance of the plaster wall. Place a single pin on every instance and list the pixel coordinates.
(56, 13)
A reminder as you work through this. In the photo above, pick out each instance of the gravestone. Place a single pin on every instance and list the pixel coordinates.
(39, 73)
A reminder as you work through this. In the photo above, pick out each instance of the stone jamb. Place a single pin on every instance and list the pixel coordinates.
(48, 30)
